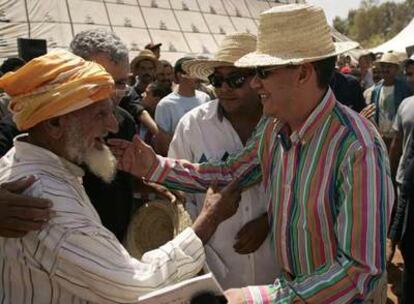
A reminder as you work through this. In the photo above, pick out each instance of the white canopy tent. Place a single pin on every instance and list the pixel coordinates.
(182, 26)
(403, 39)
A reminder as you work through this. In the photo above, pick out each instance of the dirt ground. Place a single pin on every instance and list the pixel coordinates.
(394, 278)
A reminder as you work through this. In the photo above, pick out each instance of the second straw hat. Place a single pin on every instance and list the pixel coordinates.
(233, 47)
(293, 34)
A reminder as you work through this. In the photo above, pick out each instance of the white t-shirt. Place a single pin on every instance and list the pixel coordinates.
(200, 136)
(173, 106)
(386, 111)
(404, 122)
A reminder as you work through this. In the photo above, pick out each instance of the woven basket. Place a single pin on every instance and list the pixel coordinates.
(153, 225)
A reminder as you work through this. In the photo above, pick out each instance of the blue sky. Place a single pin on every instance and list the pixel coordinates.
(339, 7)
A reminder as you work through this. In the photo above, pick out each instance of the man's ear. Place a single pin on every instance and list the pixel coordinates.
(55, 127)
(306, 72)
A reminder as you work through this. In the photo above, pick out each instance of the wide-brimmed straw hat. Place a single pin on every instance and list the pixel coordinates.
(232, 48)
(293, 34)
(391, 58)
(144, 55)
(153, 225)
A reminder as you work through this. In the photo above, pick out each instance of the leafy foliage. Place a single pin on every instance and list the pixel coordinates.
(372, 24)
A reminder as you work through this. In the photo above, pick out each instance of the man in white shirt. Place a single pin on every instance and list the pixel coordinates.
(173, 106)
(388, 94)
(239, 253)
(65, 106)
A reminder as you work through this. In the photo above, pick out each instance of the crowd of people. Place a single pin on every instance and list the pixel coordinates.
(294, 161)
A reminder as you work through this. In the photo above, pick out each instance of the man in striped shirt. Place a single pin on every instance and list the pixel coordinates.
(324, 169)
(64, 103)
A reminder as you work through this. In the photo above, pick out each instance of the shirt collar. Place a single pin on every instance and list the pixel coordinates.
(313, 122)
(28, 152)
(215, 111)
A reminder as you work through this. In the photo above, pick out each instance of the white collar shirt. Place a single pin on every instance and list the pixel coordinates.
(74, 259)
(203, 134)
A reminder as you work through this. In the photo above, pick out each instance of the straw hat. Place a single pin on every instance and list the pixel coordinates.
(232, 48)
(293, 34)
(153, 225)
(391, 58)
(144, 55)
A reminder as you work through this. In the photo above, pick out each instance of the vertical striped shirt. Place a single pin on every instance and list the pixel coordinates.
(329, 195)
(74, 259)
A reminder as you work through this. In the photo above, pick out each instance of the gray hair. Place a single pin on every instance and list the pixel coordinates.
(99, 41)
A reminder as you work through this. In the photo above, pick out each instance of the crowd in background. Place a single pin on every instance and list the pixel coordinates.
(154, 94)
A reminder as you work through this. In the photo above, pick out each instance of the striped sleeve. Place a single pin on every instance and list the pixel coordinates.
(95, 267)
(363, 206)
(188, 177)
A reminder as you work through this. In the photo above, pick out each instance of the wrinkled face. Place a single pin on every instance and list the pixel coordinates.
(119, 72)
(409, 74)
(388, 71)
(145, 70)
(232, 86)
(84, 138)
(276, 90)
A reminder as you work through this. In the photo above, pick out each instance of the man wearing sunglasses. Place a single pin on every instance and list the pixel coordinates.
(324, 169)
(239, 253)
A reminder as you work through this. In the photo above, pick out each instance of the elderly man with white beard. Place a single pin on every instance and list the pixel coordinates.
(63, 103)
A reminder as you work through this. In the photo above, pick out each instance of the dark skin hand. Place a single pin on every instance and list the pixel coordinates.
(218, 206)
(252, 235)
(20, 214)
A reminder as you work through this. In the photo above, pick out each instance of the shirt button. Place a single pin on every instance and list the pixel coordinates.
(246, 209)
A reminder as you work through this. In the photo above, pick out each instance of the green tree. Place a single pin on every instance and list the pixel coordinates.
(372, 24)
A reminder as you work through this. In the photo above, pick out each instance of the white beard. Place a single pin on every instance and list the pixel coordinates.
(102, 163)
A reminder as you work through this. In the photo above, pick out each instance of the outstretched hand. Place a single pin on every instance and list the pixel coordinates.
(134, 157)
(20, 214)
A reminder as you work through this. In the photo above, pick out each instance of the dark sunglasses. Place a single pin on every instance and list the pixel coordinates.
(263, 72)
(234, 81)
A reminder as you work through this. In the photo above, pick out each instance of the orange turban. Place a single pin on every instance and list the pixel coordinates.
(53, 85)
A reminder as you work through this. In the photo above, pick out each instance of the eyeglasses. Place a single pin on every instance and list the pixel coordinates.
(234, 81)
(264, 72)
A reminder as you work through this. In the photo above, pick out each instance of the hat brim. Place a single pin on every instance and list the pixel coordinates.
(257, 59)
(388, 62)
(135, 61)
(202, 68)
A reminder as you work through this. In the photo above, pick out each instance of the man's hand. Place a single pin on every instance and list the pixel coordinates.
(234, 296)
(252, 235)
(218, 206)
(369, 111)
(134, 157)
(20, 214)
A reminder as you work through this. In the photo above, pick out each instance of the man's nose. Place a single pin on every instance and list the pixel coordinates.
(112, 124)
(255, 83)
